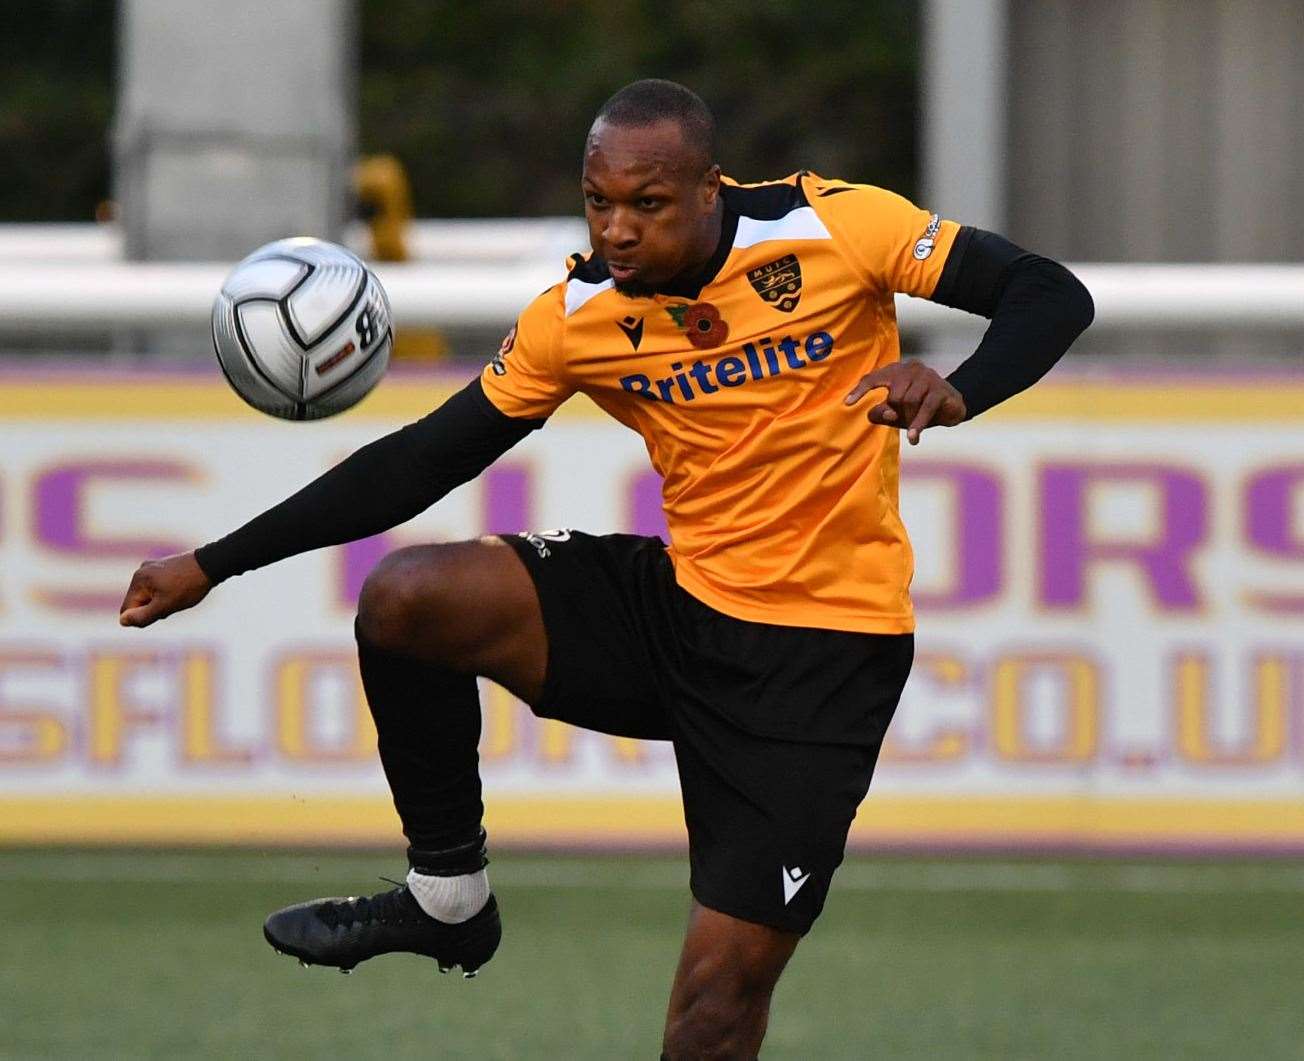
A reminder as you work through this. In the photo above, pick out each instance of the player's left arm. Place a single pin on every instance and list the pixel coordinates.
(1037, 308)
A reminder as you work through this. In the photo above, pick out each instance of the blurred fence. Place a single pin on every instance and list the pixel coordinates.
(1110, 585)
(69, 278)
(99, 296)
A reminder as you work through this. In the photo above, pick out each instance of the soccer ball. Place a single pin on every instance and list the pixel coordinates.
(302, 329)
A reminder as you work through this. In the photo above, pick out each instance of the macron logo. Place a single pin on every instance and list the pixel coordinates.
(793, 879)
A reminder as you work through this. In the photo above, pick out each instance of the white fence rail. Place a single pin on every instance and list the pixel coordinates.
(73, 297)
(67, 279)
(472, 239)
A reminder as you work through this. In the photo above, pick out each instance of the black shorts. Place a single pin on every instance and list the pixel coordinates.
(776, 728)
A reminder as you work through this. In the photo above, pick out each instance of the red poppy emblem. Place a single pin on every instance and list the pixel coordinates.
(704, 327)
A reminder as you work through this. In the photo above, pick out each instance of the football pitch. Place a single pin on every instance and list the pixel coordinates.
(160, 954)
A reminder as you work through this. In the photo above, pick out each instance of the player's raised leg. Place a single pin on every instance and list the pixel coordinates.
(720, 1001)
(430, 619)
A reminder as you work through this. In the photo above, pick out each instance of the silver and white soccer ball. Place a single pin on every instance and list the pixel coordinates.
(302, 329)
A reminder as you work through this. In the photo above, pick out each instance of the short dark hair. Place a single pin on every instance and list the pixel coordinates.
(654, 100)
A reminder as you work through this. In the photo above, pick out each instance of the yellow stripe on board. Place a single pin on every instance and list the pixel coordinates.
(616, 821)
(187, 399)
(1147, 401)
(1156, 402)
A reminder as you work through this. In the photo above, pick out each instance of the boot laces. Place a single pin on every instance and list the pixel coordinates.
(388, 908)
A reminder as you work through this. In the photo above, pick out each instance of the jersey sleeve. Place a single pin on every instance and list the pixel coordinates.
(893, 244)
(526, 378)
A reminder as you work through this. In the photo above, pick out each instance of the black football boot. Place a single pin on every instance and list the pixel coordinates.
(345, 931)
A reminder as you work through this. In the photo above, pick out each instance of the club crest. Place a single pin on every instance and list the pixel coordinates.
(778, 282)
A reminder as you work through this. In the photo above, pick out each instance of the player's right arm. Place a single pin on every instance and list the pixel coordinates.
(1037, 308)
(385, 483)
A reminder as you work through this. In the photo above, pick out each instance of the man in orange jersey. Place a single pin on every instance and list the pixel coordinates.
(748, 333)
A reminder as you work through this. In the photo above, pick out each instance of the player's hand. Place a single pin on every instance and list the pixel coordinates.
(161, 587)
(917, 397)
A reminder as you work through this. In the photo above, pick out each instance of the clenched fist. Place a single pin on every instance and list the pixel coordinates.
(161, 587)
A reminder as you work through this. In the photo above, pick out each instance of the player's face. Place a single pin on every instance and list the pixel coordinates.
(650, 206)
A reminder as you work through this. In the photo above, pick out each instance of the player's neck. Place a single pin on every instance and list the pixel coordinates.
(706, 249)
(706, 259)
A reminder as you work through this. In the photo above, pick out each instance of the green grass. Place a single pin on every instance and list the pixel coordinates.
(160, 954)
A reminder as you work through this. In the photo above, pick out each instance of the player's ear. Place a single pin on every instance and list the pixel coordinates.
(711, 185)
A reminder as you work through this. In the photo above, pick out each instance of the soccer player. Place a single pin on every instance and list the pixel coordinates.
(748, 333)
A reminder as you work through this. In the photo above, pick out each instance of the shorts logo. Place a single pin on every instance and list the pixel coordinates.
(778, 282)
(540, 540)
(496, 362)
(793, 879)
(924, 247)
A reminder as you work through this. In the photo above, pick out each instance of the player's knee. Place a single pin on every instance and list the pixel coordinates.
(723, 1011)
(399, 601)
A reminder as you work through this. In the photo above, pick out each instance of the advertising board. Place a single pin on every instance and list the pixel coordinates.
(1110, 654)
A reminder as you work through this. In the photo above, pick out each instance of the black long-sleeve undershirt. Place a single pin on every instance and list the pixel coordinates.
(383, 484)
(1036, 307)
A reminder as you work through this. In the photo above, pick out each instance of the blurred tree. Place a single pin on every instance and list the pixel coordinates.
(487, 104)
(56, 101)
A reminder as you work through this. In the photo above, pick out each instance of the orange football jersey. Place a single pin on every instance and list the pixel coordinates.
(780, 500)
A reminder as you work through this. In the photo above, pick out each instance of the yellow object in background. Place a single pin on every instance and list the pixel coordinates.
(421, 344)
(385, 204)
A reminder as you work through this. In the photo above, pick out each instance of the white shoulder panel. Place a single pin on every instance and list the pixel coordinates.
(802, 223)
(579, 292)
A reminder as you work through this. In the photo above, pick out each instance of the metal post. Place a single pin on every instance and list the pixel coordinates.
(964, 110)
(234, 124)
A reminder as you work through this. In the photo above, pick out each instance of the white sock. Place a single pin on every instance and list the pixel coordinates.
(451, 900)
